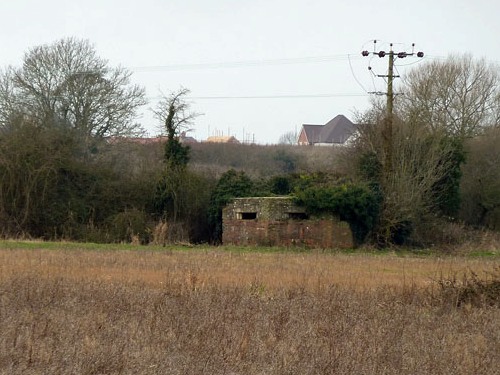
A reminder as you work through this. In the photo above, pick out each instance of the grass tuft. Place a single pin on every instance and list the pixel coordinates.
(472, 289)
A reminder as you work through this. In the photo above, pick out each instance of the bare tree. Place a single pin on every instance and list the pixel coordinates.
(460, 96)
(174, 113)
(7, 98)
(288, 138)
(420, 160)
(66, 83)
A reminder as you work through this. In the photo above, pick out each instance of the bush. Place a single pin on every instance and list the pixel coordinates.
(280, 185)
(471, 289)
(446, 190)
(182, 200)
(127, 225)
(480, 186)
(356, 204)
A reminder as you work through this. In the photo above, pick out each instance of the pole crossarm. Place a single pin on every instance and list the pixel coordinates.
(388, 123)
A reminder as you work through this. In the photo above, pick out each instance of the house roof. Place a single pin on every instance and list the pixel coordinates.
(222, 139)
(312, 132)
(337, 130)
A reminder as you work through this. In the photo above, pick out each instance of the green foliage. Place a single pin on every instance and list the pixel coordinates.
(480, 184)
(48, 190)
(31, 160)
(174, 192)
(55, 178)
(168, 186)
(356, 204)
(181, 199)
(173, 112)
(447, 189)
(176, 154)
(370, 170)
(369, 167)
(126, 225)
(232, 184)
(307, 180)
(280, 185)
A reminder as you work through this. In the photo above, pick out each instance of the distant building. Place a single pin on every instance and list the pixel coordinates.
(338, 131)
(186, 138)
(222, 139)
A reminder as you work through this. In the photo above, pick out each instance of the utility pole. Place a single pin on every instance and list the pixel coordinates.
(388, 122)
(389, 118)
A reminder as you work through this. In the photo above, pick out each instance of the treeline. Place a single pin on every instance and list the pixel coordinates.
(50, 191)
(70, 168)
(260, 161)
(53, 187)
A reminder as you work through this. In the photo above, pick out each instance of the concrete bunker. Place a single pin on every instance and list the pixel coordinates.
(277, 221)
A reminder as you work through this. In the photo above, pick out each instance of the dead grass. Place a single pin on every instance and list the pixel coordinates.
(212, 266)
(216, 312)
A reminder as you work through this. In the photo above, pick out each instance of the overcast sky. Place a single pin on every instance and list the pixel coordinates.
(256, 68)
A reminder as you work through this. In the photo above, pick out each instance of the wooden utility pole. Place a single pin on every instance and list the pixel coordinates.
(389, 116)
(389, 119)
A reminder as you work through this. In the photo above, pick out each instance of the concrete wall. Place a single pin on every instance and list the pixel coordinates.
(276, 221)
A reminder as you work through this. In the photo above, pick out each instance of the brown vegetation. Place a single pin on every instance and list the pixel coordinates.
(206, 311)
(264, 161)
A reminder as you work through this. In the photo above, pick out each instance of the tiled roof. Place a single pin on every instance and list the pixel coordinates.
(337, 130)
(312, 132)
(222, 139)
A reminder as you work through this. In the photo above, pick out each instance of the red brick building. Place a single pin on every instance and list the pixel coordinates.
(277, 221)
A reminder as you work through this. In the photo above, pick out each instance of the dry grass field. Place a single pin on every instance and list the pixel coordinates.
(77, 310)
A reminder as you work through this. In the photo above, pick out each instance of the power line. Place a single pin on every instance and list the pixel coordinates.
(238, 64)
(304, 96)
(412, 63)
(311, 96)
(388, 123)
(354, 75)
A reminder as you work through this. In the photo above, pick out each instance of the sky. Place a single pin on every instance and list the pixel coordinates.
(256, 69)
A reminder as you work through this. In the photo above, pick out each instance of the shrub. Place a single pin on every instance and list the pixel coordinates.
(182, 199)
(471, 289)
(126, 225)
(280, 185)
(356, 204)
